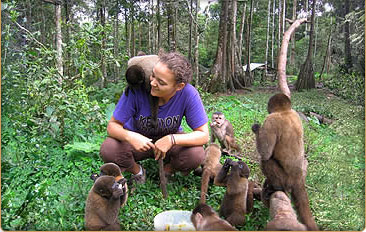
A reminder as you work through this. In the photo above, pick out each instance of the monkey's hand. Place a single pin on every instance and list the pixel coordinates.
(227, 164)
(256, 127)
(117, 191)
(139, 142)
(162, 146)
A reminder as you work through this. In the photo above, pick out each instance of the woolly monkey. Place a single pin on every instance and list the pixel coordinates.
(223, 130)
(138, 75)
(281, 149)
(211, 166)
(234, 204)
(112, 169)
(204, 218)
(103, 204)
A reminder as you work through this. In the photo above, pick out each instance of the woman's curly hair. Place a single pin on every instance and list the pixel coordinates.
(179, 65)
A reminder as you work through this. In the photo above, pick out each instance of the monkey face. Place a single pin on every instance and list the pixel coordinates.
(218, 119)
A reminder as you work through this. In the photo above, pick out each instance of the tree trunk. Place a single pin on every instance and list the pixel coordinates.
(132, 24)
(347, 41)
(115, 44)
(102, 57)
(241, 30)
(273, 33)
(267, 38)
(196, 66)
(159, 25)
(217, 81)
(293, 37)
(171, 34)
(248, 75)
(327, 54)
(59, 60)
(127, 35)
(190, 33)
(306, 79)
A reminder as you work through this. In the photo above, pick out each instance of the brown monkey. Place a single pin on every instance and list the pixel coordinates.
(138, 75)
(234, 205)
(103, 204)
(282, 214)
(223, 130)
(211, 166)
(204, 218)
(112, 169)
(281, 149)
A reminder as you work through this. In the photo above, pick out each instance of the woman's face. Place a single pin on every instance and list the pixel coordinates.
(163, 83)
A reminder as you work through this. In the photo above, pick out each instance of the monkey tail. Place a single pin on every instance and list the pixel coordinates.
(204, 185)
(301, 200)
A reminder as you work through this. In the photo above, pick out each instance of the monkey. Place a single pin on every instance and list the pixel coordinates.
(204, 218)
(234, 204)
(280, 145)
(112, 169)
(282, 214)
(211, 166)
(139, 70)
(103, 204)
(223, 130)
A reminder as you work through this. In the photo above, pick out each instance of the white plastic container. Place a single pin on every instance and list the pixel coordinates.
(173, 220)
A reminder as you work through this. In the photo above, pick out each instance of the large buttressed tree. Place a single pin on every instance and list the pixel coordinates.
(306, 79)
(226, 72)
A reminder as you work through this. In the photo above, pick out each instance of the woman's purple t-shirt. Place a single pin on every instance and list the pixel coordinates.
(133, 111)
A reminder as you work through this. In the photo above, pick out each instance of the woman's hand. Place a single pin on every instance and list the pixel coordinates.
(139, 142)
(162, 146)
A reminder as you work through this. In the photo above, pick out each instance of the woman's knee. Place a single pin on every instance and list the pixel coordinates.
(187, 158)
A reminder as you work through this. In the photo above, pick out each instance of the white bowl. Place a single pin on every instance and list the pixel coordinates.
(173, 220)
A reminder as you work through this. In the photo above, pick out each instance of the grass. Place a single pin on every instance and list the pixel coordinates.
(44, 187)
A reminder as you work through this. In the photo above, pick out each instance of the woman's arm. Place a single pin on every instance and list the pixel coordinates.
(139, 142)
(198, 136)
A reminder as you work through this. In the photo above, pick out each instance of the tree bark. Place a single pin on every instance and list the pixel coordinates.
(248, 75)
(267, 38)
(347, 40)
(159, 25)
(293, 37)
(217, 81)
(196, 66)
(327, 54)
(306, 79)
(115, 44)
(59, 60)
(241, 30)
(190, 32)
(102, 57)
(273, 33)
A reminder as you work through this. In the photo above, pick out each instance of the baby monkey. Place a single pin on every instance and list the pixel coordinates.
(204, 218)
(222, 130)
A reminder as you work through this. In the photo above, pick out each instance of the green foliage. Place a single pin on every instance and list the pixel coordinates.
(350, 86)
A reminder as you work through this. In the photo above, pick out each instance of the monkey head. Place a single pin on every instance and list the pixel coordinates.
(279, 102)
(200, 212)
(111, 169)
(107, 187)
(237, 167)
(217, 119)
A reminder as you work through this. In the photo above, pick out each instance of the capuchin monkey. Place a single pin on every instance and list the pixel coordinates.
(282, 214)
(234, 205)
(280, 145)
(103, 204)
(222, 130)
(204, 218)
(211, 166)
(138, 75)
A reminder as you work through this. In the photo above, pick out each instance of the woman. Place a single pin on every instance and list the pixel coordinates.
(132, 138)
